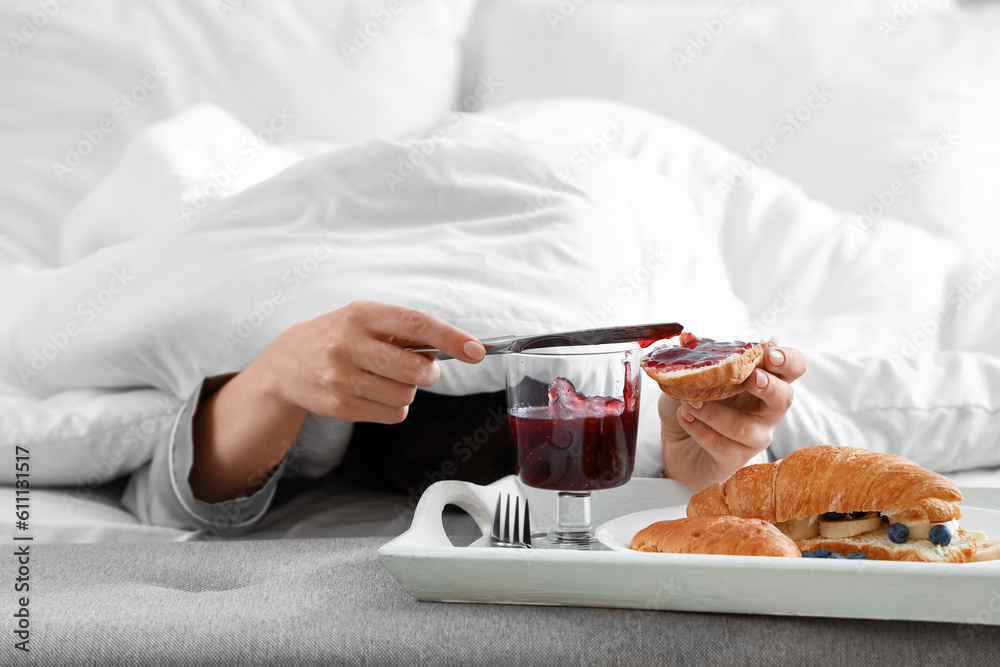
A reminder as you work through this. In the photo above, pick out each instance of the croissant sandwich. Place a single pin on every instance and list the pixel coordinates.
(715, 535)
(842, 499)
(701, 369)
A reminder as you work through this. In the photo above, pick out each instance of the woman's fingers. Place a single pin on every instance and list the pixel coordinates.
(407, 327)
(357, 409)
(775, 393)
(727, 454)
(393, 362)
(383, 390)
(666, 407)
(727, 424)
(785, 362)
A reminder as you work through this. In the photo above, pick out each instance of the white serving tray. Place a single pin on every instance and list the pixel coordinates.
(430, 568)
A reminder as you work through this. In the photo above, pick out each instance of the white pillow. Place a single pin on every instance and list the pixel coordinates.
(83, 515)
(71, 69)
(889, 81)
(165, 165)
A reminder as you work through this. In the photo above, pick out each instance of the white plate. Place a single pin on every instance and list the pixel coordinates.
(617, 534)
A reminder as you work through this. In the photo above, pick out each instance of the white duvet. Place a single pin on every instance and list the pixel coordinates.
(203, 245)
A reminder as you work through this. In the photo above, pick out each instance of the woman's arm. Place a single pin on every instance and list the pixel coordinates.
(241, 434)
(349, 364)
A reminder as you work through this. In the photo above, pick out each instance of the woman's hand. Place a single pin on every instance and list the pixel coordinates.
(705, 443)
(350, 363)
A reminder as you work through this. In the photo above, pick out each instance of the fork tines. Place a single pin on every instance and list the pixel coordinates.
(503, 534)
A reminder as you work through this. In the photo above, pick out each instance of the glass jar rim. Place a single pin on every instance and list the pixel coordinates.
(579, 350)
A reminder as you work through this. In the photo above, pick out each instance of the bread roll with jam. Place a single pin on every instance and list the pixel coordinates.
(701, 369)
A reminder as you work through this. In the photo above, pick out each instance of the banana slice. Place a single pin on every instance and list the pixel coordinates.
(995, 542)
(989, 553)
(920, 529)
(836, 530)
(800, 529)
(979, 536)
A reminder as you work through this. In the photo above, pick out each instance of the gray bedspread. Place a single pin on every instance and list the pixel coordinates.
(328, 601)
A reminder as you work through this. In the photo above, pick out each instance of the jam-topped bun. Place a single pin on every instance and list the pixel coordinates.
(701, 369)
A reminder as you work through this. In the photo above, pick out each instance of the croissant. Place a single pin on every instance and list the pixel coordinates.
(815, 480)
(847, 499)
(727, 535)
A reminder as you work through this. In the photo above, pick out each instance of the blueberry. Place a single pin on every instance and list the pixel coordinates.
(837, 554)
(859, 515)
(857, 555)
(884, 518)
(822, 553)
(940, 535)
(899, 533)
(834, 516)
(808, 554)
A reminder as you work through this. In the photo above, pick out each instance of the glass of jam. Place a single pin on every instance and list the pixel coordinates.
(574, 415)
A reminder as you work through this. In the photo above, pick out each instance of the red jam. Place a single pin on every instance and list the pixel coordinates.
(657, 332)
(631, 389)
(693, 352)
(585, 453)
(576, 442)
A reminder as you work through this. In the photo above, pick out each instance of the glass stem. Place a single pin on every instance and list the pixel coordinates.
(573, 514)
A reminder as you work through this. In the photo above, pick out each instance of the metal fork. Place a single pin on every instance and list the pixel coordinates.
(503, 536)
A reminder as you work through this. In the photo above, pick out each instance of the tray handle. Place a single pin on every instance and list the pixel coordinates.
(428, 528)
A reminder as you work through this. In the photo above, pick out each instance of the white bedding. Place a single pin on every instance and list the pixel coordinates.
(82, 79)
(80, 514)
(503, 229)
(846, 98)
(330, 230)
(157, 263)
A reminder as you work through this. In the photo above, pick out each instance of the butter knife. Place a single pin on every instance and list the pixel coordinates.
(643, 334)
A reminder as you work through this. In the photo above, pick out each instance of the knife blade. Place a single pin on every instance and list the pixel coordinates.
(643, 334)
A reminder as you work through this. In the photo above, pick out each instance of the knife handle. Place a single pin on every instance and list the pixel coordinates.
(493, 346)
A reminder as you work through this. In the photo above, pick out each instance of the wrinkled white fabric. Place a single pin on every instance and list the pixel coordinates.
(541, 217)
(840, 97)
(81, 80)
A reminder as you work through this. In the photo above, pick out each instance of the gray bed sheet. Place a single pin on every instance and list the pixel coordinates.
(328, 601)
(261, 600)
